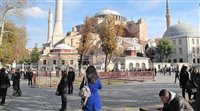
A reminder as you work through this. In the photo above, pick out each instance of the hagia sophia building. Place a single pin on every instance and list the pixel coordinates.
(61, 50)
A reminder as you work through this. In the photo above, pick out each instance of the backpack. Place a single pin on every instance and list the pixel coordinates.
(85, 92)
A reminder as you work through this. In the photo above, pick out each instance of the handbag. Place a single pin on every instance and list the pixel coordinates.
(85, 92)
(189, 85)
(58, 92)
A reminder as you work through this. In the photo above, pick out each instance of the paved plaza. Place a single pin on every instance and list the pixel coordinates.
(115, 97)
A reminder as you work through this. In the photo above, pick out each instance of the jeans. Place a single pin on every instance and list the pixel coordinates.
(64, 101)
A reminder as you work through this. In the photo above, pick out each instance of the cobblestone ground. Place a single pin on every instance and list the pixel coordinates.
(115, 97)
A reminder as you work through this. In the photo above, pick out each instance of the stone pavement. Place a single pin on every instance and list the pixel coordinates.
(115, 97)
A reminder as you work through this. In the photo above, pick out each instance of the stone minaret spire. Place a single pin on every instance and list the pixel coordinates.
(58, 31)
(167, 14)
(50, 26)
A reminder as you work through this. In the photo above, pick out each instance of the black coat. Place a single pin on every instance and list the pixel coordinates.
(194, 79)
(62, 86)
(71, 76)
(197, 99)
(184, 77)
(16, 81)
(178, 103)
(4, 80)
(29, 75)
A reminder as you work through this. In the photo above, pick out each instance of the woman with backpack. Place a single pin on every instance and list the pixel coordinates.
(94, 83)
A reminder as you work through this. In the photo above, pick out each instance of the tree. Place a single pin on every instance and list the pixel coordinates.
(35, 54)
(108, 33)
(86, 39)
(146, 46)
(165, 48)
(8, 8)
(151, 53)
(14, 47)
(139, 54)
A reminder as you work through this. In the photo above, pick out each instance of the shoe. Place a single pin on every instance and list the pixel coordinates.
(2, 103)
(63, 110)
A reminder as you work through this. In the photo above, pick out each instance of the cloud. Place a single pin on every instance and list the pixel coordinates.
(146, 5)
(35, 12)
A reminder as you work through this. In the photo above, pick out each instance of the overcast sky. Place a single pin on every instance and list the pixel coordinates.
(74, 12)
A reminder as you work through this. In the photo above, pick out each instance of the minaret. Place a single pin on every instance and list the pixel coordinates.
(167, 14)
(50, 26)
(58, 31)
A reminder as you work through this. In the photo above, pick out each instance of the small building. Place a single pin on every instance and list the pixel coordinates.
(130, 61)
(60, 57)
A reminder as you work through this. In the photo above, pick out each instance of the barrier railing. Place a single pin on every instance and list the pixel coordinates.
(128, 75)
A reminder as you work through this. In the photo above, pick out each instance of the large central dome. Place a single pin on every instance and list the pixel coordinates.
(103, 13)
(107, 12)
(181, 30)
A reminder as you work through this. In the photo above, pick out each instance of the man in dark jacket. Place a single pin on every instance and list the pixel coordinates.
(29, 74)
(174, 102)
(184, 78)
(71, 78)
(4, 84)
(62, 88)
(16, 83)
(197, 99)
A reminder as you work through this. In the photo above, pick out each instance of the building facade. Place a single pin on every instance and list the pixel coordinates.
(186, 40)
(62, 51)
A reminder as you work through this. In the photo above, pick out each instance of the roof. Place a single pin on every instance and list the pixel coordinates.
(107, 12)
(181, 29)
(62, 46)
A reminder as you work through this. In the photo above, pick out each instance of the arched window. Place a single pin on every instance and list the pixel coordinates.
(143, 65)
(131, 66)
(137, 65)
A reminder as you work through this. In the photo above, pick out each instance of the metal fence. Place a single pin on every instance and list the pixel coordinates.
(128, 75)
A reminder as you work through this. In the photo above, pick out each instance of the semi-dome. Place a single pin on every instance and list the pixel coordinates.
(181, 30)
(107, 12)
(63, 46)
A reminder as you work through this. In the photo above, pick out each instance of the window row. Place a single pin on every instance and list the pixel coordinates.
(181, 60)
(59, 62)
(197, 50)
(180, 41)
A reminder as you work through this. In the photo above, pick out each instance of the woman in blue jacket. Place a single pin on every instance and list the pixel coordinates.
(93, 103)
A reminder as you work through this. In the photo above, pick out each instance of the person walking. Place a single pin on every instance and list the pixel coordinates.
(194, 82)
(16, 83)
(4, 84)
(184, 77)
(29, 74)
(197, 99)
(71, 78)
(176, 75)
(94, 83)
(62, 90)
(174, 102)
